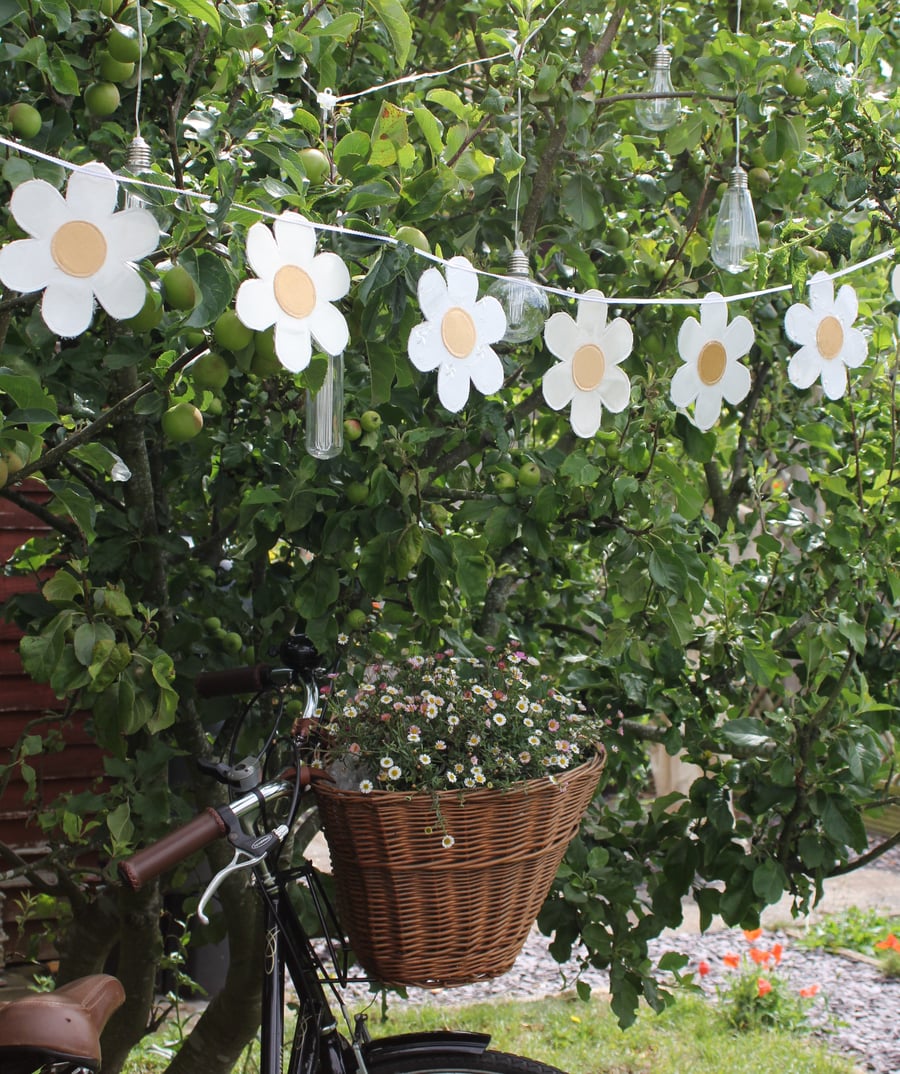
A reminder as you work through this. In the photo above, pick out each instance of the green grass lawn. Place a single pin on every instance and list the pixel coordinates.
(688, 1038)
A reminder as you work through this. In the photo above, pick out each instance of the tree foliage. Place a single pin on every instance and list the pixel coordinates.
(732, 595)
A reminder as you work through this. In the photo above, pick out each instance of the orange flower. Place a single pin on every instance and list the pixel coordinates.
(777, 951)
(759, 956)
(763, 987)
(703, 967)
(752, 934)
(890, 944)
(809, 991)
(731, 960)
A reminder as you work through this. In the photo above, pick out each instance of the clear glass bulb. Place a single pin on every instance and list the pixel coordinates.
(525, 304)
(659, 113)
(137, 160)
(735, 236)
(325, 413)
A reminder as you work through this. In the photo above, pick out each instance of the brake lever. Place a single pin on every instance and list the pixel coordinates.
(250, 853)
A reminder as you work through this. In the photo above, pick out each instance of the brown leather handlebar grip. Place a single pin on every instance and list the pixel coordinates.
(245, 680)
(172, 848)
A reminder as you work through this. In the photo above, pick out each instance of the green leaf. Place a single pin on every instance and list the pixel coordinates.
(769, 881)
(396, 21)
(204, 10)
(63, 588)
(747, 731)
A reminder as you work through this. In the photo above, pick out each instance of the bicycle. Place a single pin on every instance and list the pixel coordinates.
(61, 1030)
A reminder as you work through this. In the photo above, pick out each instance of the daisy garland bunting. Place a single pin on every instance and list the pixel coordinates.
(456, 336)
(830, 343)
(587, 374)
(80, 249)
(710, 350)
(294, 291)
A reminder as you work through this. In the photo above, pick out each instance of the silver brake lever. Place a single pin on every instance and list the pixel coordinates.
(243, 859)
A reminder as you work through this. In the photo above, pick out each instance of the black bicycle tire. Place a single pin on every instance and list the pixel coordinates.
(438, 1062)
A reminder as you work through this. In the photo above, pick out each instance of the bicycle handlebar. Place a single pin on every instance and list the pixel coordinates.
(244, 680)
(148, 863)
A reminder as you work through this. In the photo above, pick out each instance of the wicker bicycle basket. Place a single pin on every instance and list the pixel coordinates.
(419, 913)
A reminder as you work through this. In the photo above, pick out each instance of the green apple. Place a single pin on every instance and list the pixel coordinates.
(759, 179)
(357, 492)
(370, 420)
(181, 422)
(356, 619)
(179, 289)
(529, 475)
(210, 370)
(414, 237)
(504, 481)
(102, 98)
(123, 44)
(25, 120)
(230, 332)
(795, 83)
(352, 429)
(316, 165)
(4, 473)
(113, 70)
(149, 316)
(12, 460)
(618, 237)
(232, 643)
(213, 623)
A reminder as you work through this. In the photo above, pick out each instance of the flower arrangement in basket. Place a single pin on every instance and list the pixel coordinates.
(457, 786)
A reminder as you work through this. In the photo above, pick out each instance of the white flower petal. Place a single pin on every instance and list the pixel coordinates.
(738, 338)
(805, 366)
(485, 370)
(490, 320)
(834, 378)
(262, 251)
(558, 386)
(293, 345)
(895, 281)
(714, 315)
(800, 324)
(330, 276)
(591, 315)
(255, 305)
(426, 348)
(131, 235)
(685, 385)
(856, 348)
(68, 306)
(821, 293)
(296, 238)
(92, 192)
(462, 282)
(585, 414)
(453, 385)
(432, 290)
(708, 408)
(329, 328)
(617, 341)
(614, 390)
(735, 383)
(846, 305)
(26, 265)
(691, 337)
(120, 290)
(38, 208)
(561, 336)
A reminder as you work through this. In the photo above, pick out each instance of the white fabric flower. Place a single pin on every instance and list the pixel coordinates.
(587, 374)
(710, 349)
(456, 336)
(295, 291)
(830, 343)
(80, 248)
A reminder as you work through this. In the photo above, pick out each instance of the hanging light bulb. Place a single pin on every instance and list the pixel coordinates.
(525, 304)
(325, 413)
(735, 236)
(137, 160)
(659, 113)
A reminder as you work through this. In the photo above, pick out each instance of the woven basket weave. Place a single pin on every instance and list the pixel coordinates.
(417, 913)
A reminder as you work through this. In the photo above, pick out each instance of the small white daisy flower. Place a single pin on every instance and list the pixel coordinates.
(294, 291)
(499, 719)
(587, 374)
(522, 704)
(80, 249)
(424, 759)
(366, 786)
(447, 842)
(387, 762)
(830, 345)
(343, 639)
(710, 349)
(456, 334)
(451, 777)
(395, 772)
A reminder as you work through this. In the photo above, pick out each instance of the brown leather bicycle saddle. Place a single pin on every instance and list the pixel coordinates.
(63, 1026)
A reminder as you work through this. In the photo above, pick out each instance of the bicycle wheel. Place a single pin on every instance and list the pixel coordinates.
(438, 1062)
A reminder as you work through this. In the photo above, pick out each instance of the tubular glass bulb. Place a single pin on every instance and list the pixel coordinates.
(659, 113)
(525, 304)
(137, 160)
(325, 413)
(735, 236)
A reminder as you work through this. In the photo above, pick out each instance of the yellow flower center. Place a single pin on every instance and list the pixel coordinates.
(458, 332)
(78, 248)
(295, 291)
(588, 367)
(711, 362)
(830, 337)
